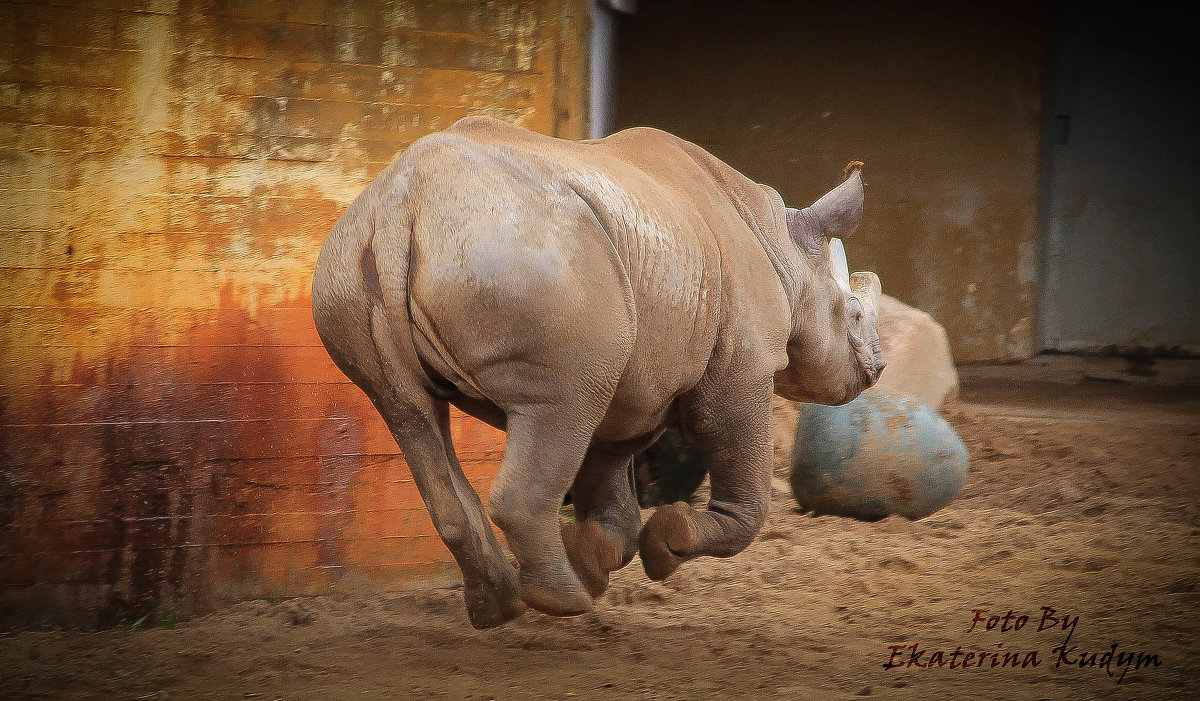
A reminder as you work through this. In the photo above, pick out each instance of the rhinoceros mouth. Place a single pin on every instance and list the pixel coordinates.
(869, 355)
(877, 363)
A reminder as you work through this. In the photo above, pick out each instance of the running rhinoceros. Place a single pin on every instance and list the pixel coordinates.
(582, 296)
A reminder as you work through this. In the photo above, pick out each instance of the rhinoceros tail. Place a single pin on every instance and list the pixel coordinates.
(850, 169)
(340, 298)
(359, 281)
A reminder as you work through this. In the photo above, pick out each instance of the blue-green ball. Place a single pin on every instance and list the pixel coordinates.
(876, 456)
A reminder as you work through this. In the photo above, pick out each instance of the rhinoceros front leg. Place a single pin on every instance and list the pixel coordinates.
(604, 536)
(731, 424)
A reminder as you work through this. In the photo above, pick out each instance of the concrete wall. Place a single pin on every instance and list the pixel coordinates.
(942, 101)
(172, 433)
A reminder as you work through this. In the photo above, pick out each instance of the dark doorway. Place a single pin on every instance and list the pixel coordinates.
(1122, 210)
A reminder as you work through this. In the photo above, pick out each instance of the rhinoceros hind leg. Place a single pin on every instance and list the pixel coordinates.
(423, 434)
(541, 457)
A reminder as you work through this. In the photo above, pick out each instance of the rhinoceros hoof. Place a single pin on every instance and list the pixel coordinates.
(667, 540)
(555, 600)
(495, 612)
(491, 604)
(593, 554)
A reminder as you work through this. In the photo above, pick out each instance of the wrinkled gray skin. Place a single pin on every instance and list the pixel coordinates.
(582, 296)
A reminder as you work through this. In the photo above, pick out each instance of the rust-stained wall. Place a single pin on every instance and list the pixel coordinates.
(942, 100)
(172, 433)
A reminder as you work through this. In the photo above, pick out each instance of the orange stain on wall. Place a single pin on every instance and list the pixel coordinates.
(173, 435)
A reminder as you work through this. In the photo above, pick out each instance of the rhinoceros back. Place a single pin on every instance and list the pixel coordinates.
(532, 264)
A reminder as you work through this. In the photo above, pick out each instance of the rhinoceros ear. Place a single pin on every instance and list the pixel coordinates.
(836, 215)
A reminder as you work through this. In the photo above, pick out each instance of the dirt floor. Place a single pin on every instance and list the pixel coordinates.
(1082, 499)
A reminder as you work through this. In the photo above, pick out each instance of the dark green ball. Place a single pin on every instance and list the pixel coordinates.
(670, 470)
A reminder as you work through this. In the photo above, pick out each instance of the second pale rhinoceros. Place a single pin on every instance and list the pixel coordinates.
(582, 296)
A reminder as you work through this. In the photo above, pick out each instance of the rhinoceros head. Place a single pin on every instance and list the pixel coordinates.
(834, 349)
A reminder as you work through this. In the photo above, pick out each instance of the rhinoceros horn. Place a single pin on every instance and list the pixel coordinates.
(837, 259)
(836, 215)
(865, 285)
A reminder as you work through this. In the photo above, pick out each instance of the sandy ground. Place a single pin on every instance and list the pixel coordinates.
(1083, 499)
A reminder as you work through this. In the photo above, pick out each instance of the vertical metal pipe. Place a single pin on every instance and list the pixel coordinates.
(603, 70)
(603, 56)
